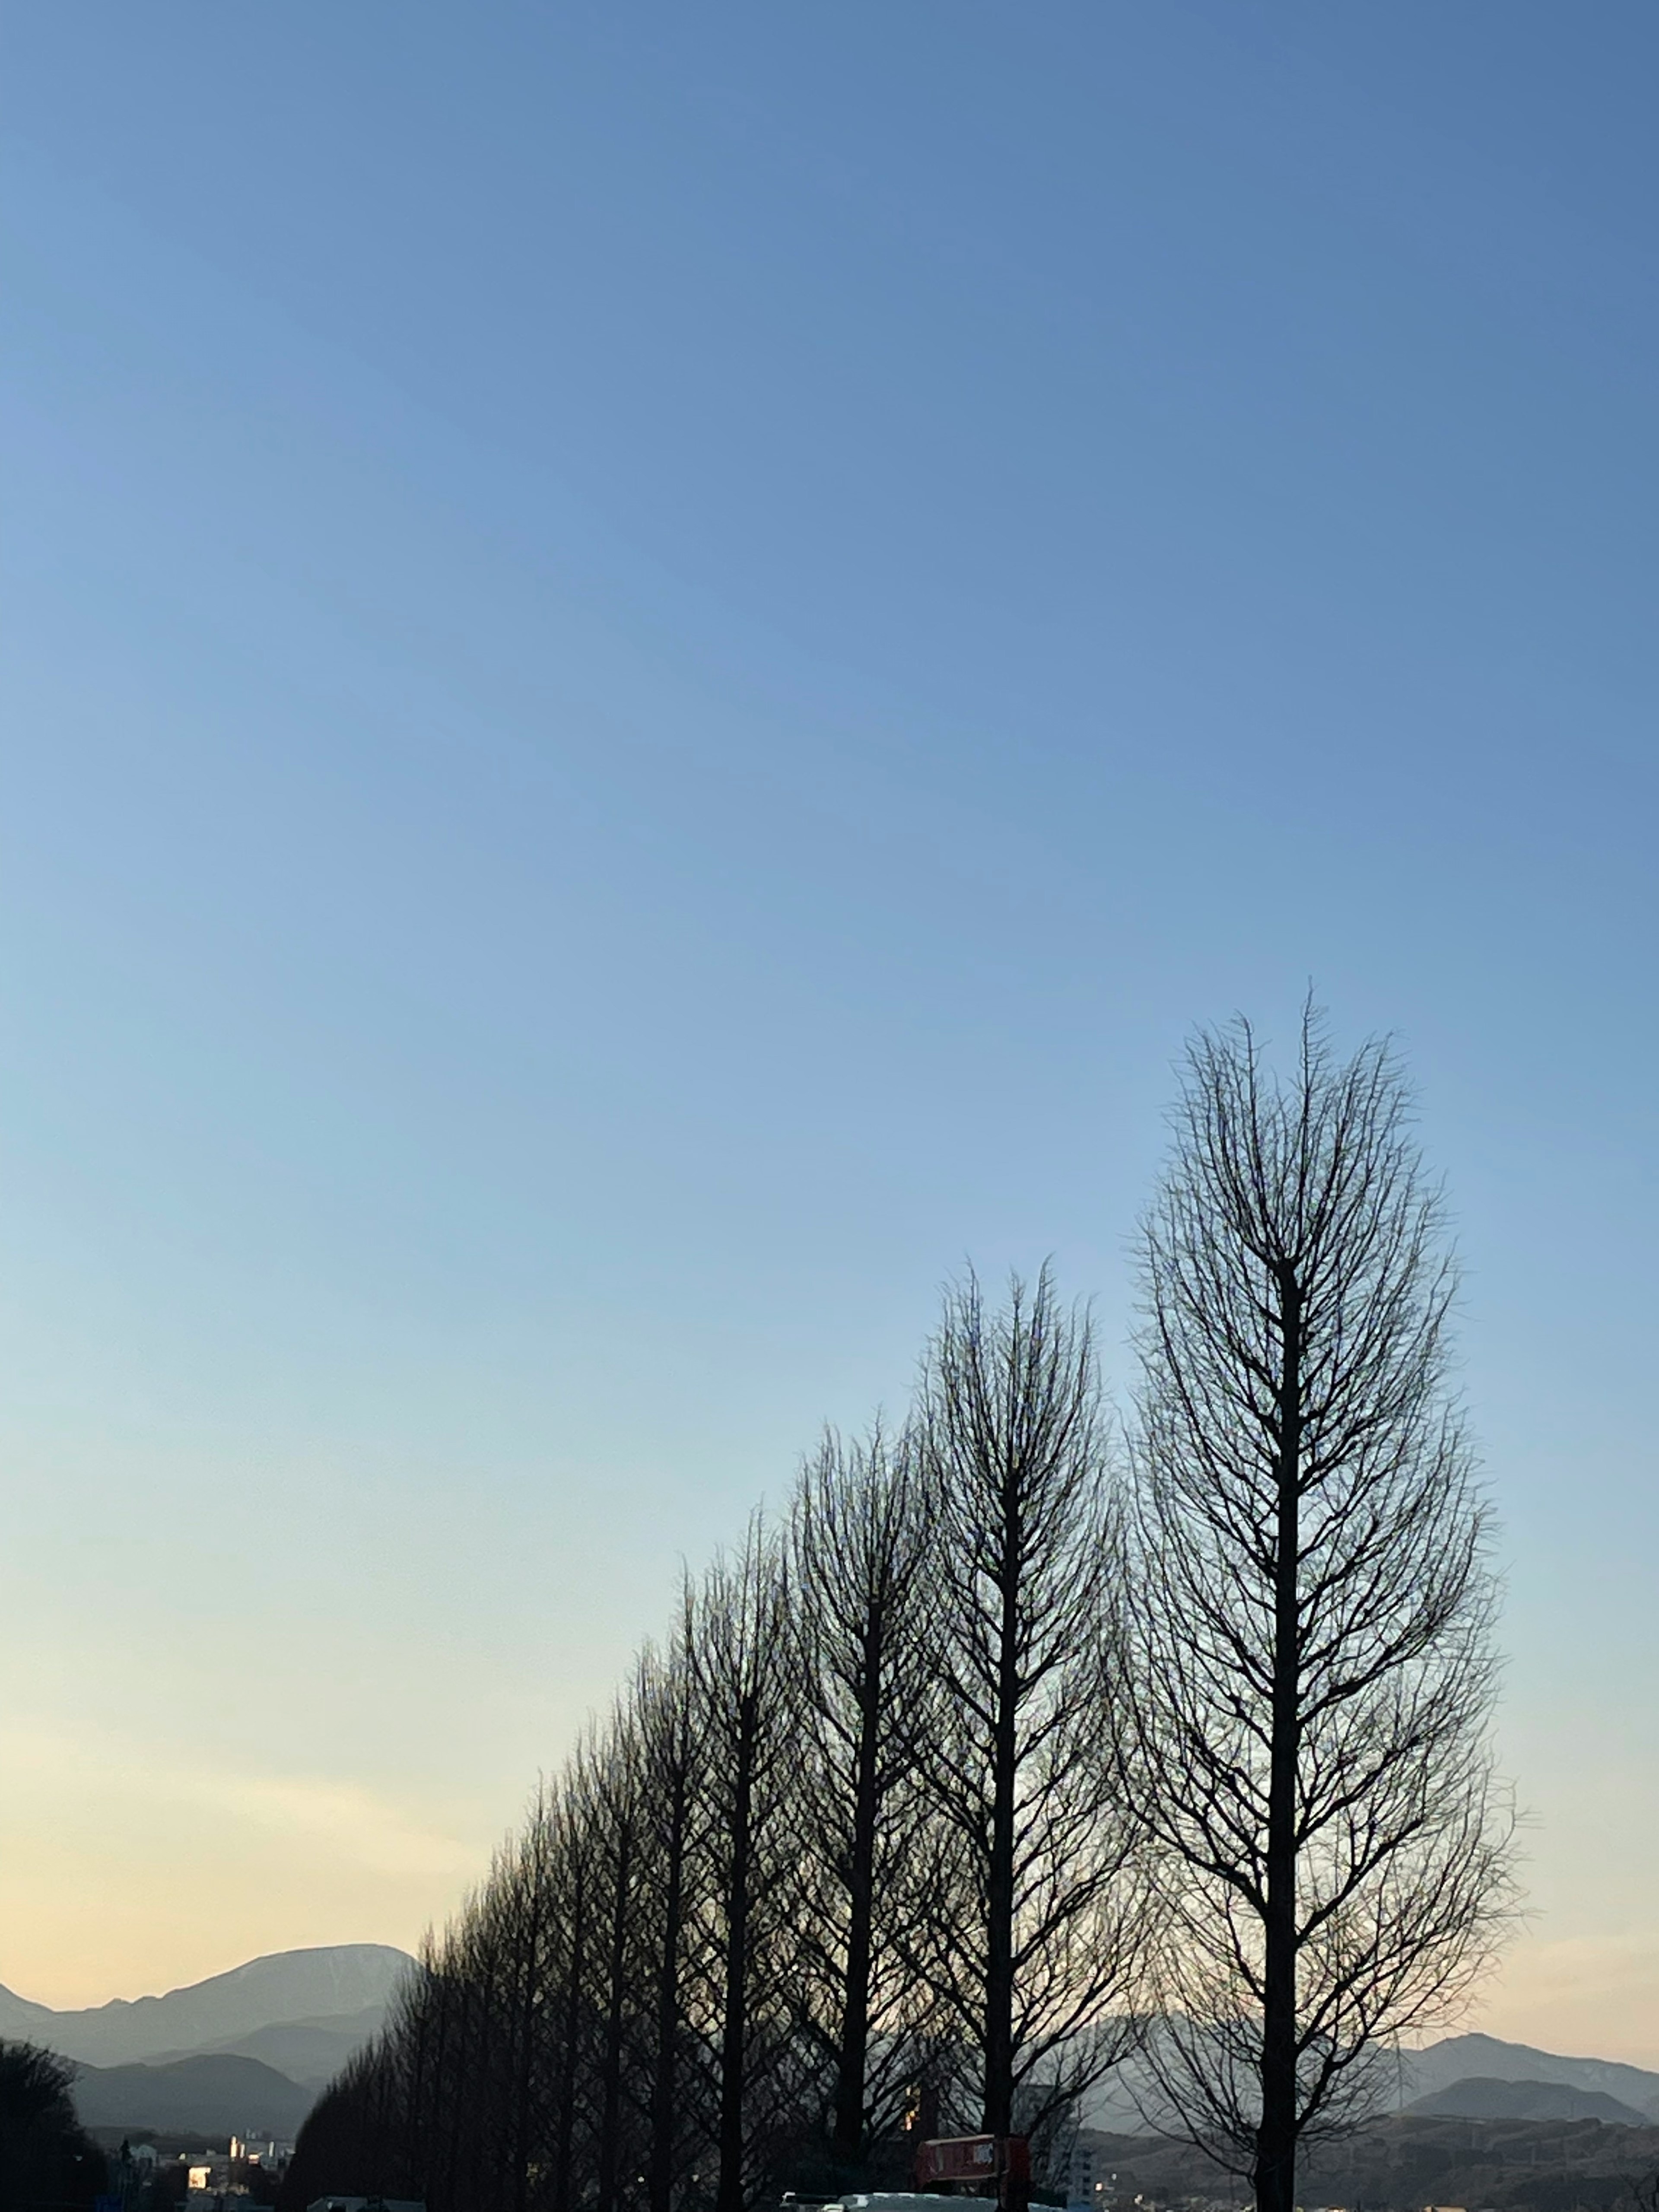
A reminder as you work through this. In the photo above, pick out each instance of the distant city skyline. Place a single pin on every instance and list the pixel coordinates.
(657, 663)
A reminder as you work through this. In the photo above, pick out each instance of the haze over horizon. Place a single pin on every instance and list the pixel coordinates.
(657, 664)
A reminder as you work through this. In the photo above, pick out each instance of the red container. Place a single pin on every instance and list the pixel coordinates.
(980, 2161)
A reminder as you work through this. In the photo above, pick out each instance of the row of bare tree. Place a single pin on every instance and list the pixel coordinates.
(1006, 1754)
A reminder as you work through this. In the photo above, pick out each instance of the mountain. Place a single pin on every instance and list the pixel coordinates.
(309, 2051)
(218, 2095)
(1482, 2058)
(242, 2053)
(333, 1988)
(1478, 2099)
(1414, 2078)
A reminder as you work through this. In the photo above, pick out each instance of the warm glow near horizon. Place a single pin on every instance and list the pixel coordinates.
(291, 1864)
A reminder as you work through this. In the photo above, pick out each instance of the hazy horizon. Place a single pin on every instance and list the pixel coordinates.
(135, 1997)
(656, 664)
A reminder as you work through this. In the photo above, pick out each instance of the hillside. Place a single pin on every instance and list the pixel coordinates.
(1401, 2164)
(1478, 2098)
(218, 2095)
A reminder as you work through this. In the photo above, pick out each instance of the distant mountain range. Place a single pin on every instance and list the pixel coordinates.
(1470, 2065)
(248, 2051)
(309, 2051)
(333, 1988)
(1471, 2077)
(241, 2052)
(216, 2094)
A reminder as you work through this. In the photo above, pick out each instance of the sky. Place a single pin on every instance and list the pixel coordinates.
(656, 659)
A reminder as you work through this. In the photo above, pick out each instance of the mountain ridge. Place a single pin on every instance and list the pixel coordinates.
(315, 1987)
(214, 2095)
(1457, 2059)
(1479, 2097)
(303, 2013)
(1120, 2103)
(309, 2051)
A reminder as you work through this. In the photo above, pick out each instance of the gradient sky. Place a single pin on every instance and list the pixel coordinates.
(657, 656)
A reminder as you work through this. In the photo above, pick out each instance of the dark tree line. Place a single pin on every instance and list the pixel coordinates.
(47, 2160)
(999, 1758)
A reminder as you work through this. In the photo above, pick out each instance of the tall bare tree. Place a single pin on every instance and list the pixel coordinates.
(745, 1662)
(1034, 1933)
(1312, 1604)
(859, 1544)
(616, 1818)
(523, 1929)
(672, 1798)
(577, 1905)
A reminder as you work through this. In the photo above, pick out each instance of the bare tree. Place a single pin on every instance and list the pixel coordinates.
(616, 1818)
(1312, 1605)
(746, 1665)
(1033, 1937)
(504, 1944)
(523, 1895)
(672, 1804)
(575, 1946)
(860, 1547)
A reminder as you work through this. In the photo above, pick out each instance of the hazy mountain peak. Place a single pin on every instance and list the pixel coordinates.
(1462, 2057)
(325, 1982)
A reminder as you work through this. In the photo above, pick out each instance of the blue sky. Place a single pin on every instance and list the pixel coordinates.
(656, 659)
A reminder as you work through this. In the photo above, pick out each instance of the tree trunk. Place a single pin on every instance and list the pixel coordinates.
(665, 2103)
(530, 1966)
(461, 2094)
(427, 2077)
(1000, 1885)
(565, 2137)
(734, 2037)
(610, 2088)
(1274, 2174)
(854, 2056)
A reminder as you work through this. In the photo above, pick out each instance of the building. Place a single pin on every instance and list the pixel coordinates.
(1089, 2176)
